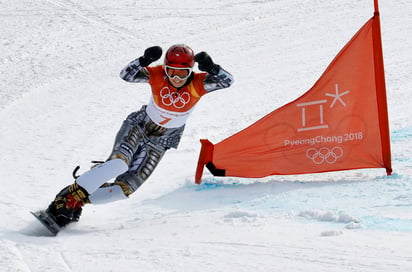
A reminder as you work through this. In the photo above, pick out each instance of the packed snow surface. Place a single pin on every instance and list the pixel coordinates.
(62, 103)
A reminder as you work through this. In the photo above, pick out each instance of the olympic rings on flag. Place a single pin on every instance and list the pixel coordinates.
(177, 99)
(324, 154)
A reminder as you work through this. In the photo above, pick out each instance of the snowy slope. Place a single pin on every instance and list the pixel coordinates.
(62, 102)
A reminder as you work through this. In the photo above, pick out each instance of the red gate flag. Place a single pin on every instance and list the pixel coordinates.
(341, 123)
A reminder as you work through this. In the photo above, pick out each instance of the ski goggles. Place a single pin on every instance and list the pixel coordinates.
(178, 72)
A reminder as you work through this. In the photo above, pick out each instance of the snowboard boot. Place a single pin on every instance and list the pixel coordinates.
(67, 206)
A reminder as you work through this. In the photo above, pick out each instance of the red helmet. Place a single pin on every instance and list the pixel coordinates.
(180, 55)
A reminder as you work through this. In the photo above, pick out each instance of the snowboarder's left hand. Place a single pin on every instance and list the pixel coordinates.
(206, 63)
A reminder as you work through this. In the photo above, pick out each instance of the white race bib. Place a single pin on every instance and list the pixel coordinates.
(165, 118)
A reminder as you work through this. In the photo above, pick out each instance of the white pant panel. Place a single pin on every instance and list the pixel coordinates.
(95, 177)
(107, 194)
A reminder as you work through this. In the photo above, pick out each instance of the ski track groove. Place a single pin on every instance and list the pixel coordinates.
(65, 262)
(11, 258)
(92, 17)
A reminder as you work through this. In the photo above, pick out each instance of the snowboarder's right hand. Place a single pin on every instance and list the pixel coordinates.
(150, 55)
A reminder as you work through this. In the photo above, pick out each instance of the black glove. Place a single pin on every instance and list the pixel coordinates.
(206, 63)
(150, 55)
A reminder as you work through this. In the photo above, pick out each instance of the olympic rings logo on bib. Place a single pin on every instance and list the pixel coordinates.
(324, 154)
(178, 100)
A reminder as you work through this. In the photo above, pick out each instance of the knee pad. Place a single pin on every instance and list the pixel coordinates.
(142, 166)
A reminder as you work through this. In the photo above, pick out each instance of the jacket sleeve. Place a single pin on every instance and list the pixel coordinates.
(223, 79)
(134, 72)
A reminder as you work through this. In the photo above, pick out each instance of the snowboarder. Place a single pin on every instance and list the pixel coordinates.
(147, 134)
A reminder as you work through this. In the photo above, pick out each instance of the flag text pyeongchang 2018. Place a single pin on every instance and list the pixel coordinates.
(356, 136)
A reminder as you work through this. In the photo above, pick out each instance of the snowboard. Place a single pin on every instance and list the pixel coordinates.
(47, 221)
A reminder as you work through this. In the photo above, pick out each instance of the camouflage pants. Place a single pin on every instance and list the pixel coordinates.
(141, 143)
